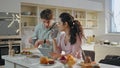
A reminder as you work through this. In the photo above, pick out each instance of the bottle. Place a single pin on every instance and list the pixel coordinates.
(12, 52)
(10, 47)
(88, 39)
(93, 38)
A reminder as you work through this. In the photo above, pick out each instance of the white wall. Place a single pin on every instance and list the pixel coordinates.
(14, 5)
(9, 6)
(26, 34)
(83, 4)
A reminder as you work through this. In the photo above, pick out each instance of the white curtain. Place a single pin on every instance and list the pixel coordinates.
(115, 17)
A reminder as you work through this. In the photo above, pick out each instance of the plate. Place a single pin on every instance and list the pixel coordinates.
(26, 53)
(48, 64)
(33, 56)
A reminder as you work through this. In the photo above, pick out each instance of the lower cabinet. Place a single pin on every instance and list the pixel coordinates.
(9, 64)
(19, 66)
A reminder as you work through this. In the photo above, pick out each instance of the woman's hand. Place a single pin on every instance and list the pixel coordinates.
(54, 55)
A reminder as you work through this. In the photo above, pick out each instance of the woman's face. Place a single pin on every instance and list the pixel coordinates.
(61, 26)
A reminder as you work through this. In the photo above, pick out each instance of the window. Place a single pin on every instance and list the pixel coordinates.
(115, 16)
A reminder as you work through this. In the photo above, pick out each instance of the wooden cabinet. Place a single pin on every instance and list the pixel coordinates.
(91, 20)
(88, 19)
(30, 15)
(81, 17)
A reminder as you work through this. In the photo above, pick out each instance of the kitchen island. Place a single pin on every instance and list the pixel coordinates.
(21, 61)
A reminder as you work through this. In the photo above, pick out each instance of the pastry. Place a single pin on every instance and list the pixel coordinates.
(70, 60)
(51, 61)
(44, 60)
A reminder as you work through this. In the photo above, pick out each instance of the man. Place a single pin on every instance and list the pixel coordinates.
(46, 30)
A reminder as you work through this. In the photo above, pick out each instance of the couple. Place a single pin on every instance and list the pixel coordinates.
(69, 38)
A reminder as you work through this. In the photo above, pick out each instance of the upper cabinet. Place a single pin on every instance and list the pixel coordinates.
(88, 19)
(80, 16)
(30, 15)
(92, 19)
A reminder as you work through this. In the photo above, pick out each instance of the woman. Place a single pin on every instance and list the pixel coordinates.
(70, 40)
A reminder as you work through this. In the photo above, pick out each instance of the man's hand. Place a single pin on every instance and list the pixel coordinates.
(54, 55)
(30, 40)
(38, 42)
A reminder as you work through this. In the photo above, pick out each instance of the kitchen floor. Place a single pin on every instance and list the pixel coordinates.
(1, 66)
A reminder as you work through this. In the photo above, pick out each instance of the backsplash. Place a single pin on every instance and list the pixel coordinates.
(26, 34)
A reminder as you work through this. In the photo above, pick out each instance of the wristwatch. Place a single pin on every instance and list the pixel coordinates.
(44, 40)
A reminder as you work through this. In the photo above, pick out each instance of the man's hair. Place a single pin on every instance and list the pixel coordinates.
(46, 14)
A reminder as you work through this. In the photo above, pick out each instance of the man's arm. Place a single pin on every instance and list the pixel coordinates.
(34, 37)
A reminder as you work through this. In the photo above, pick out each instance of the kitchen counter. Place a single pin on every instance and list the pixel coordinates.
(20, 61)
(88, 47)
(102, 50)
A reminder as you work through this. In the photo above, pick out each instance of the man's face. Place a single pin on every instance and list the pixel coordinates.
(46, 22)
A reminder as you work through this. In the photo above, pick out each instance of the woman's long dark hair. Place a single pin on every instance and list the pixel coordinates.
(74, 25)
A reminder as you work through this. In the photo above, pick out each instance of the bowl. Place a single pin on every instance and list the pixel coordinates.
(114, 43)
(26, 13)
(45, 51)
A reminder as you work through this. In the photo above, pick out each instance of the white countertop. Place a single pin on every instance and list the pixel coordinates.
(21, 60)
(34, 62)
(88, 47)
(91, 47)
(30, 62)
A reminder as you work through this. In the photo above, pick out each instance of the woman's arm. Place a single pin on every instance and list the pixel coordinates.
(76, 52)
(56, 48)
